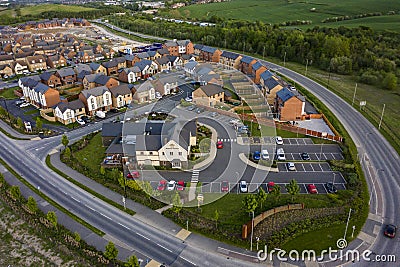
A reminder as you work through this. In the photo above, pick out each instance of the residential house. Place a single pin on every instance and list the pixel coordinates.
(68, 112)
(121, 62)
(208, 53)
(50, 79)
(67, 76)
(81, 75)
(197, 49)
(190, 68)
(145, 93)
(230, 59)
(165, 85)
(27, 83)
(121, 95)
(36, 63)
(78, 68)
(6, 59)
(163, 52)
(245, 64)
(153, 55)
(111, 67)
(42, 96)
(208, 95)
(85, 56)
(102, 80)
(172, 47)
(96, 99)
(129, 75)
(6, 70)
(176, 62)
(256, 70)
(163, 63)
(185, 47)
(20, 67)
(147, 68)
(289, 105)
(56, 61)
(98, 68)
(89, 81)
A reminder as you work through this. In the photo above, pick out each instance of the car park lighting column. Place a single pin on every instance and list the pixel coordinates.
(252, 228)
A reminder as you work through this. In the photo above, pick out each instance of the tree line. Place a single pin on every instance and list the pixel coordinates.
(370, 55)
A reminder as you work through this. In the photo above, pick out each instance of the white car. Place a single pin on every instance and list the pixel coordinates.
(279, 140)
(80, 121)
(188, 99)
(280, 154)
(291, 166)
(171, 185)
(243, 186)
(158, 95)
(264, 154)
(23, 105)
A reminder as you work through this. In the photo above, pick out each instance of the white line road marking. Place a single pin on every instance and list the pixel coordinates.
(105, 216)
(167, 249)
(124, 226)
(312, 167)
(139, 234)
(320, 167)
(187, 260)
(76, 199)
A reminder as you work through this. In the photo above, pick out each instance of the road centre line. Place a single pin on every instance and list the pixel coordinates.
(105, 216)
(126, 227)
(167, 249)
(145, 237)
(187, 260)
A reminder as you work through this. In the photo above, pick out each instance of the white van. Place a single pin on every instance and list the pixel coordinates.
(100, 114)
(280, 154)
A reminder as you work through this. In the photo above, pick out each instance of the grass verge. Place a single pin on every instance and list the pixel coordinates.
(87, 189)
(52, 202)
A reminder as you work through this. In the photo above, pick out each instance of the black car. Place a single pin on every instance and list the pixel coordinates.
(305, 156)
(390, 230)
(330, 187)
(85, 119)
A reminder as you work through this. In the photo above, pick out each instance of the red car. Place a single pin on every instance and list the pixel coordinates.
(390, 230)
(133, 175)
(225, 186)
(161, 185)
(312, 189)
(270, 186)
(220, 145)
(180, 185)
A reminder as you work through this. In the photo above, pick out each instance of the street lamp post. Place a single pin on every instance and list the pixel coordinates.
(141, 171)
(334, 174)
(252, 229)
(257, 239)
(347, 225)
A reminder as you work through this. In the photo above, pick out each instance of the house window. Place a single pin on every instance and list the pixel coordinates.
(151, 152)
(171, 153)
(180, 153)
(163, 153)
(142, 153)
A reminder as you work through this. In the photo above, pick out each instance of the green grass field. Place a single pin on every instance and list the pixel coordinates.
(290, 10)
(37, 9)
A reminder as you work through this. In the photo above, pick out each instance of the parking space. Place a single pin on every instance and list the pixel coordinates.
(305, 167)
(297, 141)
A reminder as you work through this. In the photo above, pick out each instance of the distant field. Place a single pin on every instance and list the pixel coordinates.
(290, 10)
(37, 9)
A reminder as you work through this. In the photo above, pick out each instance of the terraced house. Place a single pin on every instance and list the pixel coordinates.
(96, 99)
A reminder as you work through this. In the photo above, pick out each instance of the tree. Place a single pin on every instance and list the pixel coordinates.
(64, 140)
(67, 153)
(250, 203)
(276, 191)
(148, 189)
(261, 197)
(132, 261)
(102, 171)
(216, 217)
(20, 123)
(52, 217)
(15, 192)
(293, 188)
(111, 251)
(32, 205)
(115, 174)
(77, 237)
(39, 123)
(121, 180)
(176, 203)
(2, 180)
(390, 81)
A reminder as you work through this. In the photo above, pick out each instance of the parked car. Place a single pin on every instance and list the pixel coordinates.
(85, 119)
(312, 189)
(199, 110)
(390, 230)
(224, 186)
(330, 187)
(19, 102)
(280, 154)
(24, 105)
(291, 166)
(270, 186)
(243, 186)
(190, 108)
(188, 99)
(188, 79)
(213, 114)
(305, 156)
(133, 175)
(180, 185)
(171, 185)
(220, 145)
(158, 95)
(80, 121)
(264, 154)
(256, 155)
(279, 140)
(100, 114)
(162, 185)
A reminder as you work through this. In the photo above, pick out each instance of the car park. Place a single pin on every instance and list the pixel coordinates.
(291, 166)
(312, 189)
(133, 175)
(305, 156)
(220, 145)
(243, 186)
(390, 231)
(171, 185)
(162, 185)
(256, 155)
(279, 140)
(280, 154)
(24, 105)
(80, 121)
(19, 102)
(264, 154)
(180, 185)
(224, 186)
(330, 188)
